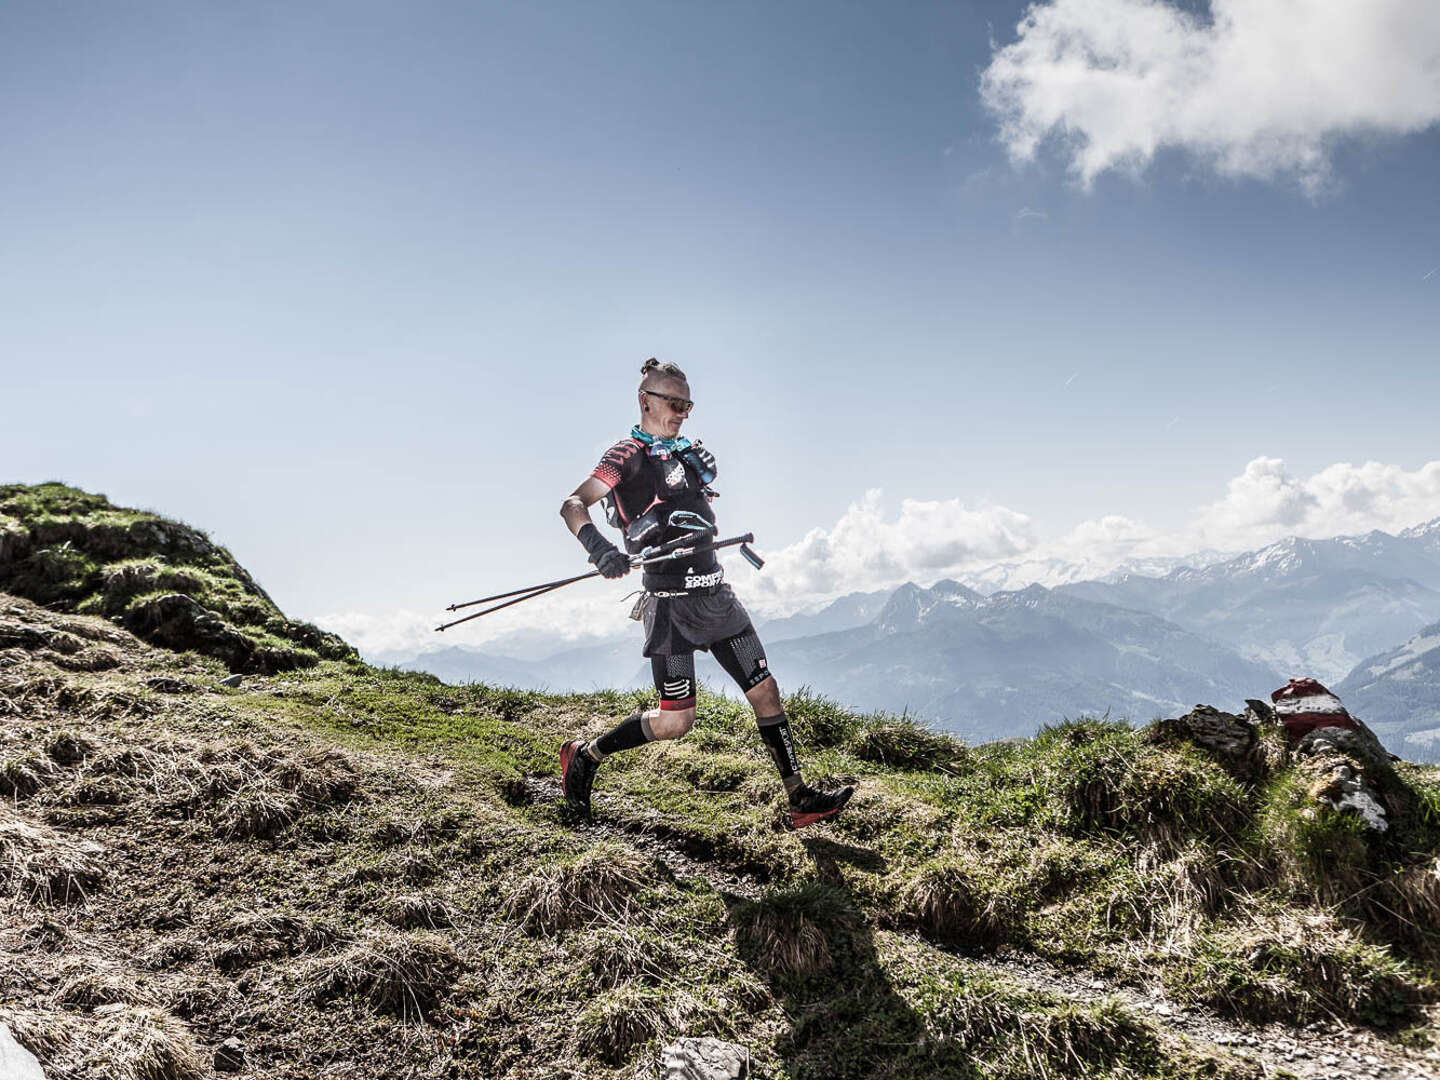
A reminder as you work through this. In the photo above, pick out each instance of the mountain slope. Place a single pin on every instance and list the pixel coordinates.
(997, 666)
(1303, 606)
(1398, 694)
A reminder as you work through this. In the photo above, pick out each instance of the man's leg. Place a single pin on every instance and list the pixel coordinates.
(675, 681)
(743, 658)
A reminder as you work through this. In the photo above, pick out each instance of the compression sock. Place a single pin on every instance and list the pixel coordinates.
(775, 733)
(631, 732)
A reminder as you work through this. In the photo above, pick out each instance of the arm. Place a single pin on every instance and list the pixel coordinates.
(576, 507)
(575, 511)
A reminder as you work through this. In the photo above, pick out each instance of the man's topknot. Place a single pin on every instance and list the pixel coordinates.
(655, 367)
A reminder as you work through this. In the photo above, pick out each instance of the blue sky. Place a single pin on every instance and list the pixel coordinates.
(362, 289)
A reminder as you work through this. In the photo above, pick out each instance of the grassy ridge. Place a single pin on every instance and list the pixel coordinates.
(162, 579)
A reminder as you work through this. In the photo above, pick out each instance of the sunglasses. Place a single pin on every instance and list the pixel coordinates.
(679, 404)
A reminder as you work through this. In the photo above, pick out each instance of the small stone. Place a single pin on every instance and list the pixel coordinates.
(230, 1055)
(17, 1063)
(232, 681)
(704, 1059)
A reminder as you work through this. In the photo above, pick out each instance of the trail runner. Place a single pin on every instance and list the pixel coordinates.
(644, 480)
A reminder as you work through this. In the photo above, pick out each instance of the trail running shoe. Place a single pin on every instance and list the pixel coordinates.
(807, 806)
(577, 774)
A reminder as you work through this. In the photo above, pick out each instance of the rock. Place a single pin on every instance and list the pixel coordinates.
(1259, 712)
(232, 681)
(230, 1055)
(704, 1059)
(1230, 739)
(1303, 706)
(1352, 771)
(176, 621)
(17, 1063)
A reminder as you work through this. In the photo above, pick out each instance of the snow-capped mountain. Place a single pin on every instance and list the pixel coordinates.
(1001, 665)
(1304, 606)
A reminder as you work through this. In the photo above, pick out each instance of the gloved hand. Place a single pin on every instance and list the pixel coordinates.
(608, 559)
(612, 564)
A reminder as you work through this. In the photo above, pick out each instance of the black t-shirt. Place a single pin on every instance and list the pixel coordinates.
(644, 491)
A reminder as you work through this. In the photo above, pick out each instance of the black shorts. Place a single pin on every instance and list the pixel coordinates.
(682, 624)
(675, 626)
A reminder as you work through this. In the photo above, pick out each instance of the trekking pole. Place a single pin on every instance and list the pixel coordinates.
(675, 549)
(658, 549)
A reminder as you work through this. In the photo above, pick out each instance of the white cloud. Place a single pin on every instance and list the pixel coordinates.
(927, 540)
(1263, 89)
(1266, 502)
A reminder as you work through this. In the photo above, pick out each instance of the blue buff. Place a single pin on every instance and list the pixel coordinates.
(658, 445)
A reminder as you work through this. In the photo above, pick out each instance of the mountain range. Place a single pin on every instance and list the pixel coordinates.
(1132, 644)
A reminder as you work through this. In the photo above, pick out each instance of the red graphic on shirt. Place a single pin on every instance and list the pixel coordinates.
(611, 469)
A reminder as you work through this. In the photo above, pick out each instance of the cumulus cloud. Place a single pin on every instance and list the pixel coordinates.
(1261, 89)
(1266, 502)
(866, 550)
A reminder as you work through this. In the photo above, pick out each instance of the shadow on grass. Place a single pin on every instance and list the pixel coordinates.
(815, 948)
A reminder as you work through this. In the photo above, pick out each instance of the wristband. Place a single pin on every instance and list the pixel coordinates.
(595, 544)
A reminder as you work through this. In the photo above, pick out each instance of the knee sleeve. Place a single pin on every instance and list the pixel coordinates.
(675, 680)
(743, 658)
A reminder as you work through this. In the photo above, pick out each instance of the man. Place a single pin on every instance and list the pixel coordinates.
(654, 483)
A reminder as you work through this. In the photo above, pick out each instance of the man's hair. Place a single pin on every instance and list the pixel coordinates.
(654, 369)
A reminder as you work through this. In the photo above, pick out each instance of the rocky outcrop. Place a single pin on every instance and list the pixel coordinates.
(1350, 771)
(1232, 740)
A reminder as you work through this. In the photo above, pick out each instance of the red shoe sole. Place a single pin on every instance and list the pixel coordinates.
(800, 821)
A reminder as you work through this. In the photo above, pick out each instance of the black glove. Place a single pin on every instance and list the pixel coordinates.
(608, 559)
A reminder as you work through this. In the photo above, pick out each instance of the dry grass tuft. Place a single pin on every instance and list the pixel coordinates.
(619, 953)
(412, 911)
(1034, 1035)
(790, 932)
(41, 865)
(600, 883)
(403, 974)
(119, 1042)
(256, 811)
(907, 745)
(24, 774)
(69, 747)
(615, 1023)
(91, 988)
(949, 906)
(1295, 967)
(139, 1043)
(247, 939)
